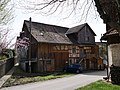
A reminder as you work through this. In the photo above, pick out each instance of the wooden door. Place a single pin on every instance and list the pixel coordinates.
(60, 60)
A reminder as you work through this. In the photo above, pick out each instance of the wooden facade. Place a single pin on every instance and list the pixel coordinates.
(86, 36)
(54, 47)
(54, 57)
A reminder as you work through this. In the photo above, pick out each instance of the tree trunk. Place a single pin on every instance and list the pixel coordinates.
(109, 11)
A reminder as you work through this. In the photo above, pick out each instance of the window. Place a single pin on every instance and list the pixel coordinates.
(62, 47)
(74, 50)
(66, 47)
(87, 47)
(58, 47)
(87, 39)
(87, 50)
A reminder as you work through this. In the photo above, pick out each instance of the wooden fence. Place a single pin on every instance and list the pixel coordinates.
(5, 66)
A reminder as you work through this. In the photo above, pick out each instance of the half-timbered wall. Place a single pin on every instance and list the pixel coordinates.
(73, 54)
(89, 56)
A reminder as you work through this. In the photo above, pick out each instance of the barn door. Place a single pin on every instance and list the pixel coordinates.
(57, 61)
(60, 60)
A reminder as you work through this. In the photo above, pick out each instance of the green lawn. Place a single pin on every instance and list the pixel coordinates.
(21, 77)
(100, 85)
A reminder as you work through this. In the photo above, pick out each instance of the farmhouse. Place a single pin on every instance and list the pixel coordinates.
(53, 47)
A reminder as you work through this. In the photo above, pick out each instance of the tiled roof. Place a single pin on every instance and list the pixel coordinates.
(48, 33)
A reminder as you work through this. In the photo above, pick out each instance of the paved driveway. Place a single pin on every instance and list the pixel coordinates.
(67, 83)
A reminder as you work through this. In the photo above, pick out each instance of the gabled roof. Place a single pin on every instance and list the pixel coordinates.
(110, 32)
(79, 28)
(48, 33)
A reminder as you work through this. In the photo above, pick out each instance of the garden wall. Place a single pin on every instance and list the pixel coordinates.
(5, 66)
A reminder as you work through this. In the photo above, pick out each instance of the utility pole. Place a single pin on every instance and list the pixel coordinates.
(30, 45)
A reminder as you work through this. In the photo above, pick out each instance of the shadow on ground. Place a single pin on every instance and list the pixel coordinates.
(96, 73)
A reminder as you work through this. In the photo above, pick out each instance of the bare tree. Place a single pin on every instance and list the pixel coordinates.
(6, 11)
(6, 15)
(109, 10)
(5, 38)
(68, 7)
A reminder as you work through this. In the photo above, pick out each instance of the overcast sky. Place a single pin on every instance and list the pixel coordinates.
(58, 19)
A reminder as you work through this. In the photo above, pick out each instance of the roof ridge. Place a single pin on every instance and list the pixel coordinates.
(46, 24)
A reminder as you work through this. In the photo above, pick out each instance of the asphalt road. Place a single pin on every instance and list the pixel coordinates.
(67, 83)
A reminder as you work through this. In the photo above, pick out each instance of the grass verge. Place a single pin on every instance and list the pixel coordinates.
(21, 77)
(100, 85)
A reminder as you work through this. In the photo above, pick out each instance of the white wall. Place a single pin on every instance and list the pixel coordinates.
(114, 54)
